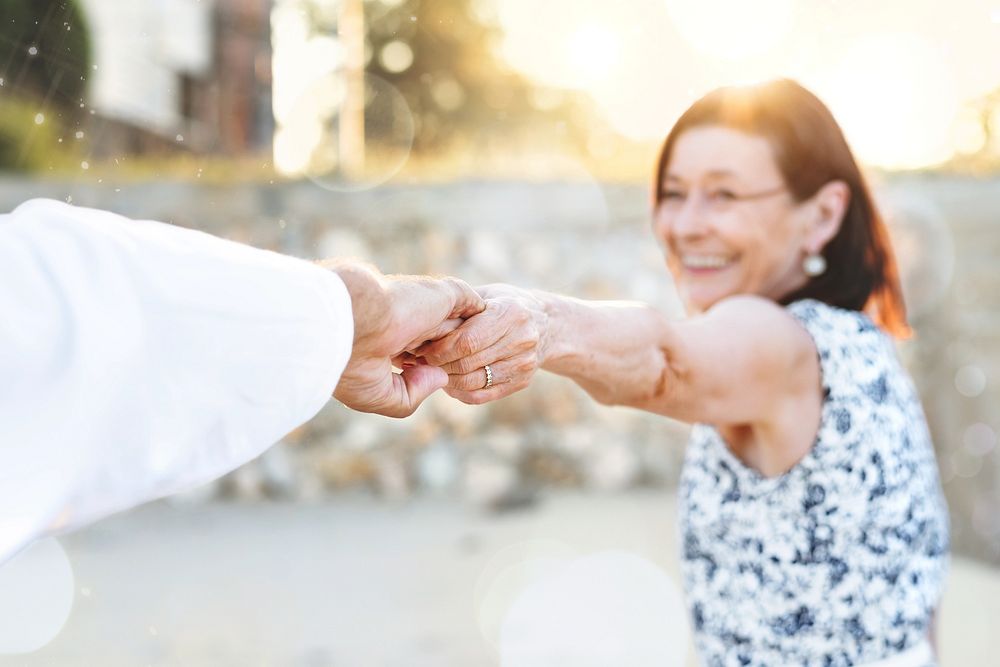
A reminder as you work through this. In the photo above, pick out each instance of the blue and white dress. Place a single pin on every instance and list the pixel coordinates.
(841, 560)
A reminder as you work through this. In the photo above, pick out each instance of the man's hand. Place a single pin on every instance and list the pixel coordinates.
(510, 335)
(392, 316)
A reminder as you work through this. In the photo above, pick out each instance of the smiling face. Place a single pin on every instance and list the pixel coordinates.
(728, 223)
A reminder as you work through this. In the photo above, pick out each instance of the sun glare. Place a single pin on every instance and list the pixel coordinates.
(894, 97)
(897, 79)
(593, 51)
(731, 30)
(565, 43)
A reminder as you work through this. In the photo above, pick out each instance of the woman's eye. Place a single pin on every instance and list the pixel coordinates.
(722, 195)
(673, 195)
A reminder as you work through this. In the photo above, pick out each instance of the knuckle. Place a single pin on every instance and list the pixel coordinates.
(458, 367)
(526, 345)
(524, 367)
(478, 399)
(433, 352)
(467, 344)
(431, 357)
(506, 310)
(459, 395)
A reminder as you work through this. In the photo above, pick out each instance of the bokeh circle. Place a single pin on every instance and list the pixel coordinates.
(318, 137)
(606, 608)
(36, 595)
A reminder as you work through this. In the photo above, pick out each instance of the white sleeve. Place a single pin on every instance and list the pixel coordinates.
(138, 359)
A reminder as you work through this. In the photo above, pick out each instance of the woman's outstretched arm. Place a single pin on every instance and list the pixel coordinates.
(743, 362)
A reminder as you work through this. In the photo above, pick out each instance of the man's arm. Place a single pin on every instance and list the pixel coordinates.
(138, 359)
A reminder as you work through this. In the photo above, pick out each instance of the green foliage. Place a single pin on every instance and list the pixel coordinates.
(44, 50)
(25, 144)
(44, 61)
(456, 82)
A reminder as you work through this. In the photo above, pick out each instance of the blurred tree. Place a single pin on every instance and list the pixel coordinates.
(989, 118)
(442, 58)
(986, 112)
(25, 143)
(44, 60)
(441, 55)
(44, 49)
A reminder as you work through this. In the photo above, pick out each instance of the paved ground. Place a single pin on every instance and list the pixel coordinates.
(359, 583)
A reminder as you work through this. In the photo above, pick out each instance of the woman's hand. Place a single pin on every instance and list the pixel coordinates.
(510, 336)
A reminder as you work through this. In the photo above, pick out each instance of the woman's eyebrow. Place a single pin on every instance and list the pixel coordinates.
(721, 173)
(714, 173)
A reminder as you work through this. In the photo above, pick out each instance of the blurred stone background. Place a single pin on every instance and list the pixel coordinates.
(590, 240)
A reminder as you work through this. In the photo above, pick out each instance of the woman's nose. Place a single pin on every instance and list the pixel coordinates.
(682, 221)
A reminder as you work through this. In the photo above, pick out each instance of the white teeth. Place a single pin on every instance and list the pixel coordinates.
(705, 261)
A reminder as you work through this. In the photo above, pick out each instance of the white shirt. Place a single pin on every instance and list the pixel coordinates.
(138, 359)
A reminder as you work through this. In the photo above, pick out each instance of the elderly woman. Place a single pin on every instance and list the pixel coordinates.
(813, 524)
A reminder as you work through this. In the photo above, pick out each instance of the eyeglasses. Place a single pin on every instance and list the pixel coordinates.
(716, 200)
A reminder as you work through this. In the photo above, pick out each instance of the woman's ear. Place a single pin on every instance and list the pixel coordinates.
(830, 205)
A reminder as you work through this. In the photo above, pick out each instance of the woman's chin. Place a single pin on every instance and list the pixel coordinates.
(699, 300)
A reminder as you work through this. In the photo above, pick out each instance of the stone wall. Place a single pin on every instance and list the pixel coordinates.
(589, 240)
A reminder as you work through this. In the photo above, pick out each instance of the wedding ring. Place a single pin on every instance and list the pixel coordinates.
(489, 376)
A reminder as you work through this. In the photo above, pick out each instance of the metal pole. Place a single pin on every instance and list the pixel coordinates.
(351, 30)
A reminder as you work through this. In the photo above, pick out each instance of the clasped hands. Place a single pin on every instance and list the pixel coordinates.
(441, 334)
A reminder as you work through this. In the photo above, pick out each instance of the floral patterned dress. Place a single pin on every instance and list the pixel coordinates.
(839, 561)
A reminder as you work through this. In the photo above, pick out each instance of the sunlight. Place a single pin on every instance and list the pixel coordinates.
(582, 53)
(731, 30)
(894, 96)
(898, 93)
(593, 51)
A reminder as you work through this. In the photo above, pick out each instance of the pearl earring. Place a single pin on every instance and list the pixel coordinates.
(814, 265)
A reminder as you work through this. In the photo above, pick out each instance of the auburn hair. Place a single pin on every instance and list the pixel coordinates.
(811, 151)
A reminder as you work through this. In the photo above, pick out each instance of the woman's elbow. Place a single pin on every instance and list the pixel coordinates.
(653, 389)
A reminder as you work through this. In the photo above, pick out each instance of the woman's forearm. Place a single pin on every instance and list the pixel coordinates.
(617, 351)
(742, 362)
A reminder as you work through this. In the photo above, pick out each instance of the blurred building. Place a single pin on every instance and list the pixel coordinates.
(190, 75)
